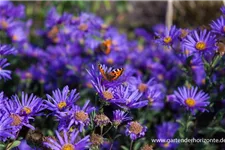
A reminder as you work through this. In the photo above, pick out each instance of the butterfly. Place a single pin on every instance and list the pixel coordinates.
(105, 46)
(110, 74)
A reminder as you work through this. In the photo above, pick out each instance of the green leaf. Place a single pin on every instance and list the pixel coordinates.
(137, 146)
(180, 122)
(190, 124)
(107, 5)
(2, 146)
(14, 144)
(124, 147)
(216, 60)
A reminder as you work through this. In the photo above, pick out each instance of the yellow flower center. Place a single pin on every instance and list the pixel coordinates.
(4, 24)
(61, 105)
(166, 144)
(135, 127)
(200, 45)
(83, 27)
(16, 120)
(160, 77)
(110, 61)
(190, 102)
(14, 38)
(28, 75)
(150, 100)
(81, 116)
(142, 87)
(223, 28)
(27, 110)
(167, 39)
(108, 95)
(68, 147)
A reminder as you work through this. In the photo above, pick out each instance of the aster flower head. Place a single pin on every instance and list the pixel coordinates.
(137, 83)
(2, 100)
(119, 117)
(101, 120)
(67, 141)
(80, 116)
(61, 100)
(218, 26)
(96, 139)
(165, 131)
(135, 130)
(13, 110)
(6, 130)
(169, 36)
(202, 42)
(4, 74)
(6, 49)
(130, 99)
(18, 34)
(155, 95)
(223, 9)
(192, 99)
(29, 105)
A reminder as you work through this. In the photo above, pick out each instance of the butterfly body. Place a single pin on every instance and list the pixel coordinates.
(109, 73)
(105, 47)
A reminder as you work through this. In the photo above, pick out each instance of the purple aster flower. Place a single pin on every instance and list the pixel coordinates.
(155, 95)
(159, 28)
(137, 83)
(13, 110)
(166, 131)
(130, 99)
(29, 106)
(200, 42)
(2, 100)
(61, 100)
(101, 120)
(6, 130)
(6, 49)
(218, 26)
(198, 69)
(4, 74)
(192, 99)
(119, 117)
(80, 117)
(52, 17)
(135, 130)
(222, 9)
(67, 141)
(106, 91)
(169, 36)
(18, 34)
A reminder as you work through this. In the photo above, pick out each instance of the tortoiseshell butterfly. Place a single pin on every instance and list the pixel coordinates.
(105, 46)
(110, 74)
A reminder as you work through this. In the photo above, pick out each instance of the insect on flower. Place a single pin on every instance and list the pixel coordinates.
(110, 74)
(105, 46)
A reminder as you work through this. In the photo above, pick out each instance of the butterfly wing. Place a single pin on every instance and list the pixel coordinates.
(114, 74)
(102, 71)
(106, 46)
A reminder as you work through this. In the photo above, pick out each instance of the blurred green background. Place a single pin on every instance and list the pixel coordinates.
(127, 15)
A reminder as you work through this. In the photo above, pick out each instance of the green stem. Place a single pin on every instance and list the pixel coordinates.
(101, 128)
(131, 144)
(108, 130)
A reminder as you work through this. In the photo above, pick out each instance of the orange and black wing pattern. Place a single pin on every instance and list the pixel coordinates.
(105, 46)
(112, 75)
